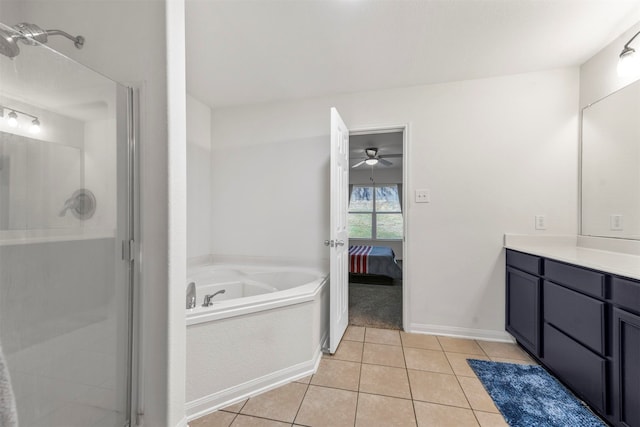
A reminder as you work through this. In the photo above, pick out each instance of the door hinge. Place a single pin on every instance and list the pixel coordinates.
(128, 250)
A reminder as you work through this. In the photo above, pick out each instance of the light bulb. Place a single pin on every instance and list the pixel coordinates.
(13, 119)
(629, 62)
(35, 126)
(371, 162)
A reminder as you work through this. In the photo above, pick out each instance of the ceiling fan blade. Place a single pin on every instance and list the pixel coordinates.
(385, 156)
(384, 162)
(358, 164)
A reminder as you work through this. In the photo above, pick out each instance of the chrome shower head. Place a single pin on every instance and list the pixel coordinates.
(31, 34)
(9, 44)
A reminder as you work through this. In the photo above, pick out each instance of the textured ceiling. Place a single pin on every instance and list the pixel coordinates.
(246, 52)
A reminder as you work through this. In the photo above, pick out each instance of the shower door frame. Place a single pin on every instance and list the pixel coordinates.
(130, 253)
(130, 238)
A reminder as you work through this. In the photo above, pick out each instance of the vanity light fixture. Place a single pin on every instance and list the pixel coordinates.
(12, 118)
(629, 61)
(35, 126)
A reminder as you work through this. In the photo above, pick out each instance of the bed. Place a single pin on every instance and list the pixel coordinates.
(373, 260)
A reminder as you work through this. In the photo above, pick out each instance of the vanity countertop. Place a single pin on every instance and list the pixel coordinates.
(569, 249)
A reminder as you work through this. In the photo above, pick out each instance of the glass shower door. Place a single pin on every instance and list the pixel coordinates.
(65, 227)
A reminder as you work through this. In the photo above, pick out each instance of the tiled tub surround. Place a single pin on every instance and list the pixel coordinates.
(577, 309)
(243, 346)
(382, 377)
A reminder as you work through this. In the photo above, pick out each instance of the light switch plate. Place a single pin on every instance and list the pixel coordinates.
(423, 196)
(541, 222)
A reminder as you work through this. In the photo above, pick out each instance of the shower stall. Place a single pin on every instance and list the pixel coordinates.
(67, 152)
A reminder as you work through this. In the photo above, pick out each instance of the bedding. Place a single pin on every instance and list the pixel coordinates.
(379, 260)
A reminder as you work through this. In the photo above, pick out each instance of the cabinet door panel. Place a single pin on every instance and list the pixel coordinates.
(577, 315)
(523, 308)
(582, 369)
(626, 342)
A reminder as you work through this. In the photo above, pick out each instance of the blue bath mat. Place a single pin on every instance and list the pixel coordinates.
(528, 396)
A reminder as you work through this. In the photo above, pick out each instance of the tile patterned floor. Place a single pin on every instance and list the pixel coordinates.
(381, 377)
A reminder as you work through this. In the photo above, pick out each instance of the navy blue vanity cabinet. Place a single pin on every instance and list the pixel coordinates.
(523, 299)
(574, 329)
(626, 350)
(566, 316)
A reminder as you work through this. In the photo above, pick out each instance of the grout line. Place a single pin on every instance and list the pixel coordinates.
(447, 405)
(355, 414)
(301, 401)
(406, 372)
(262, 418)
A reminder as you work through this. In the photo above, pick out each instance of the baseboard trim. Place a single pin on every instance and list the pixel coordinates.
(458, 332)
(211, 403)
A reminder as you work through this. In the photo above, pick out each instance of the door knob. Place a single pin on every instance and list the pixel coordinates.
(339, 243)
(329, 243)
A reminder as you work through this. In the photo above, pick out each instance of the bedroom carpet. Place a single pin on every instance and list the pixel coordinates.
(375, 305)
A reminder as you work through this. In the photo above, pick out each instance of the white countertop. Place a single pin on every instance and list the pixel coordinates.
(573, 250)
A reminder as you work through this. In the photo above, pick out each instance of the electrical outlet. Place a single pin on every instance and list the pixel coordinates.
(615, 222)
(541, 222)
(423, 196)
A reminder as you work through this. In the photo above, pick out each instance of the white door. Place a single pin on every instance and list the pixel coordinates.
(339, 239)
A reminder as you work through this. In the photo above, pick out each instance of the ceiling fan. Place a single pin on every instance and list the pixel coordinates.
(373, 158)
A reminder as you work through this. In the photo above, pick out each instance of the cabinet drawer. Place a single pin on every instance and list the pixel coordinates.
(526, 262)
(582, 369)
(587, 281)
(575, 314)
(626, 293)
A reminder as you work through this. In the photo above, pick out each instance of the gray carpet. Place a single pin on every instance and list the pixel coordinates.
(375, 305)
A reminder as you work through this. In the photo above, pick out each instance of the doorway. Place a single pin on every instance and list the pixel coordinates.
(377, 227)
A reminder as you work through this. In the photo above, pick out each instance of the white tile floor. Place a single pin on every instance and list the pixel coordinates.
(381, 377)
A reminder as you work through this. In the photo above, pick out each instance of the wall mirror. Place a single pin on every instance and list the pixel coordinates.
(27, 166)
(610, 165)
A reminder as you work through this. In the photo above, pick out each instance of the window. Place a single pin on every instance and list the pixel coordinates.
(375, 212)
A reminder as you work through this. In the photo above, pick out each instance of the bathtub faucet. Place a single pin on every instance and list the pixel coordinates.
(208, 298)
(191, 295)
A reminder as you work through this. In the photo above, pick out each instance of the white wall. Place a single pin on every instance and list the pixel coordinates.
(127, 41)
(494, 152)
(270, 199)
(198, 178)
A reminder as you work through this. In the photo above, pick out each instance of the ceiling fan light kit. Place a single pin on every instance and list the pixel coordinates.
(373, 158)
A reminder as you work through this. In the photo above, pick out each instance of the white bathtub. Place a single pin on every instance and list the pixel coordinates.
(267, 328)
